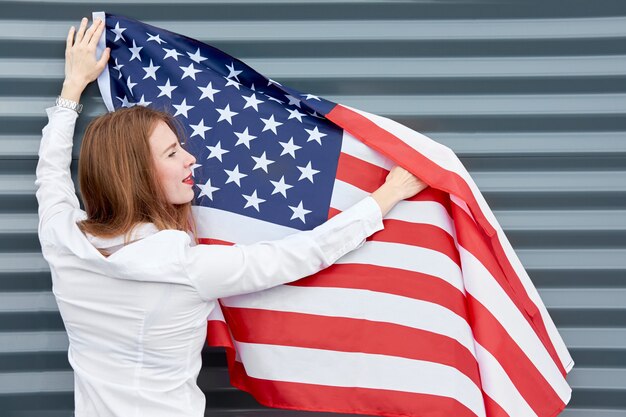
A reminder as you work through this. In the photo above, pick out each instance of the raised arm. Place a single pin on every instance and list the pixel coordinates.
(55, 189)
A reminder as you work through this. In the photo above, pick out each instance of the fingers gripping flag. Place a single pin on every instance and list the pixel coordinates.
(434, 315)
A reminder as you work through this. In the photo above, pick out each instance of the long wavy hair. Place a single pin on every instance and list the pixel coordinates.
(117, 176)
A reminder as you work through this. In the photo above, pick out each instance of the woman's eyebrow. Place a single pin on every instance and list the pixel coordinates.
(173, 145)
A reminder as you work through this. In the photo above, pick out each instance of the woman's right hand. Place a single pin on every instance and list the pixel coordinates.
(81, 65)
(400, 184)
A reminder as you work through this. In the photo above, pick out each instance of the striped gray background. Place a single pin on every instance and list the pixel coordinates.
(531, 95)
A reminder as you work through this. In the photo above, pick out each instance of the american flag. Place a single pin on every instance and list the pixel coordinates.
(434, 315)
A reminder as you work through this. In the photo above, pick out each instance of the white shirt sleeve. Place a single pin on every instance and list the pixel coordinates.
(221, 271)
(55, 188)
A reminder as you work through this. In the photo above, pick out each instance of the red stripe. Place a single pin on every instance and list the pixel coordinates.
(537, 392)
(364, 175)
(489, 332)
(493, 409)
(391, 146)
(437, 177)
(368, 177)
(478, 245)
(333, 212)
(218, 334)
(391, 281)
(211, 241)
(343, 334)
(533, 312)
(354, 400)
(418, 234)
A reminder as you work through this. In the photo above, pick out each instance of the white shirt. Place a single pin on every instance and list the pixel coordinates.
(136, 321)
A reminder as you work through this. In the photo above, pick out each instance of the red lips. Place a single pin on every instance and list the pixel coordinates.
(188, 180)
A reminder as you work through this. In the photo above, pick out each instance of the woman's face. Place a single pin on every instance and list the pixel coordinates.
(173, 164)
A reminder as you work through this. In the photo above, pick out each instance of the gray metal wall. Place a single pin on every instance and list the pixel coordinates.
(531, 95)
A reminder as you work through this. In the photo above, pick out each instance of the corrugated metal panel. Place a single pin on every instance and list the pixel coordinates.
(531, 95)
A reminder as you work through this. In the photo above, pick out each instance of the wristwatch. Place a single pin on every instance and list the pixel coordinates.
(69, 104)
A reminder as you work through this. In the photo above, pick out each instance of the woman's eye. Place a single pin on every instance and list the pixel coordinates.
(172, 154)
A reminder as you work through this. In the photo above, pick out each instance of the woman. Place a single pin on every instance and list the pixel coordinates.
(132, 287)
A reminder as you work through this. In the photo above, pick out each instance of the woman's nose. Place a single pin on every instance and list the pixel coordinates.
(191, 159)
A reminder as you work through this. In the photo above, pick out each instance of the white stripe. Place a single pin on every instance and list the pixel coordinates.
(408, 257)
(553, 333)
(233, 227)
(360, 304)
(104, 83)
(482, 286)
(424, 212)
(446, 159)
(463, 206)
(345, 195)
(345, 369)
(354, 147)
(497, 385)
(436, 152)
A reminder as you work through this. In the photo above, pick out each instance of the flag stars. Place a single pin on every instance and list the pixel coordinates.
(234, 175)
(244, 138)
(295, 114)
(135, 52)
(196, 57)
(226, 114)
(312, 97)
(231, 82)
(166, 90)
(207, 189)
(125, 102)
(232, 72)
(299, 212)
(252, 101)
(118, 67)
(143, 102)
(193, 168)
(270, 124)
(199, 129)
(155, 38)
(189, 71)
(182, 108)
(118, 32)
(253, 200)
(281, 187)
(315, 135)
(261, 162)
(130, 84)
(290, 148)
(307, 172)
(293, 100)
(171, 53)
(151, 71)
(216, 152)
(208, 92)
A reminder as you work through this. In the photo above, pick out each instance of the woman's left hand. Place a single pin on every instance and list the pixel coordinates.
(81, 65)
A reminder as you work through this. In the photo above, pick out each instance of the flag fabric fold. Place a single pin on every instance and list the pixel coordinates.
(432, 316)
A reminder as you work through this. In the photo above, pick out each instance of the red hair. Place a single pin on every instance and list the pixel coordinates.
(117, 179)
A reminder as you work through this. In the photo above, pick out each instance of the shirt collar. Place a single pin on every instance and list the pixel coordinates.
(139, 231)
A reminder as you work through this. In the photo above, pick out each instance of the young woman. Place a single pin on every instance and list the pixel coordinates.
(133, 288)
